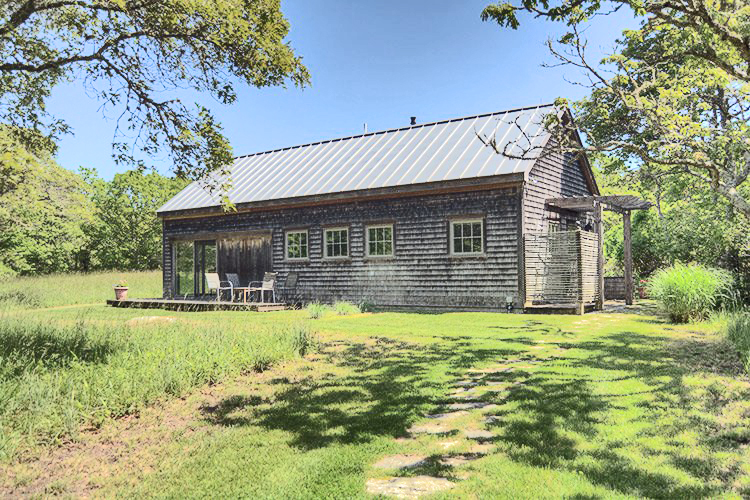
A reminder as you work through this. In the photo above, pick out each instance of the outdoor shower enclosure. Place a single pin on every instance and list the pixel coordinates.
(561, 268)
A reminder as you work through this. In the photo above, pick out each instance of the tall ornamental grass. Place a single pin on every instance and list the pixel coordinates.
(691, 292)
(54, 378)
(316, 310)
(344, 308)
(738, 332)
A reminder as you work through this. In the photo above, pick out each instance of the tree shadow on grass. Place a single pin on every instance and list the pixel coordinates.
(551, 405)
(386, 389)
(543, 415)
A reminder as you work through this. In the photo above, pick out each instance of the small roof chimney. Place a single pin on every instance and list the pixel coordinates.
(413, 120)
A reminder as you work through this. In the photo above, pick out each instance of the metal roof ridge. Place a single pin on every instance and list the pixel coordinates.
(420, 125)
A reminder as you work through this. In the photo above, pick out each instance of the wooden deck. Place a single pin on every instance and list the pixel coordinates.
(558, 308)
(197, 305)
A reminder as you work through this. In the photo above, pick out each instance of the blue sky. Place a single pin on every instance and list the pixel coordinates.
(376, 62)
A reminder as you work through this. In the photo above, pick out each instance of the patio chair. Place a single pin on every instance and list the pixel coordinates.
(213, 282)
(289, 287)
(267, 285)
(234, 279)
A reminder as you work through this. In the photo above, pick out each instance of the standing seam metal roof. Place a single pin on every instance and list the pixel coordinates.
(430, 152)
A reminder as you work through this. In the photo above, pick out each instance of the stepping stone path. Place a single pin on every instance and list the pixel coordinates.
(482, 449)
(468, 406)
(408, 487)
(146, 320)
(464, 395)
(458, 460)
(440, 423)
(479, 434)
(430, 429)
(447, 416)
(448, 444)
(400, 462)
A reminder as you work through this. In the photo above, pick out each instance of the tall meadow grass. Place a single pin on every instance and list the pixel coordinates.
(738, 332)
(75, 288)
(54, 378)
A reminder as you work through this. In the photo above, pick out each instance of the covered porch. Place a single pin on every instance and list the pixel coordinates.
(564, 271)
(241, 258)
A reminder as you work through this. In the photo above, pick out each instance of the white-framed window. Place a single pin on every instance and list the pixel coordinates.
(467, 237)
(336, 242)
(553, 226)
(379, 241)
(296, 245)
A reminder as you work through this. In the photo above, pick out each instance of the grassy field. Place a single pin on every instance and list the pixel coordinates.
(599, 406)
(65, 289)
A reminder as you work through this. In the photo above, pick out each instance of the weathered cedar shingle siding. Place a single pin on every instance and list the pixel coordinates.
(166, 262)
(554, 175)
(422, 271)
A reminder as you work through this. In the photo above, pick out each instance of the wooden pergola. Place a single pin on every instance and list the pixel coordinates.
(623, 204)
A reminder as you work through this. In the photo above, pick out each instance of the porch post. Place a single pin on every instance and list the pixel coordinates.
(599, 218)
(628, 257)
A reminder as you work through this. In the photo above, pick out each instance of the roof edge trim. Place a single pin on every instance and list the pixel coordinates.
(455, 185)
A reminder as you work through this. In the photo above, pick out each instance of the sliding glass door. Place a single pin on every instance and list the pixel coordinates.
(184, 273)
(205, 262)
(192, 260)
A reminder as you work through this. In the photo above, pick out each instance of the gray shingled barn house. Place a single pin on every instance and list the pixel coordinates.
(421, 217)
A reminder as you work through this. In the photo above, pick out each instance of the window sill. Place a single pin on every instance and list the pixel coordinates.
(378, 258)
(468, 255)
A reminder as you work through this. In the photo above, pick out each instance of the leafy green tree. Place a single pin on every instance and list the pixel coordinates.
(691, 223)
(673, 96)
(126, 233)
(43, 210)
(133, 55)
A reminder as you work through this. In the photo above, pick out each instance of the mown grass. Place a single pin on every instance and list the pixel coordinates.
(76, 288)
(56, 377)
(600, 406)
(606, 406)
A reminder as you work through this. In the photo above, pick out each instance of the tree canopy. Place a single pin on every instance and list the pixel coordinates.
(134, 56)
(43, 212)
(55, 220)
(672, 100)
(126, 233)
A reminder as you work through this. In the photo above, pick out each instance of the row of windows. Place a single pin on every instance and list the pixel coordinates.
(466, 238)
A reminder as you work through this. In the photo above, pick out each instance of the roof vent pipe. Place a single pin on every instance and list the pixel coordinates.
(413, 120)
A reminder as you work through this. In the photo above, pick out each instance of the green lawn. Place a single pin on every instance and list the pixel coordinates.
(599, 406)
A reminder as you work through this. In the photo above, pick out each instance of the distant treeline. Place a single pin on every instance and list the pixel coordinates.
(55, 220)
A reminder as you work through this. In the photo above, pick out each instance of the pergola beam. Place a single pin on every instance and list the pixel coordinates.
(617, 203)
